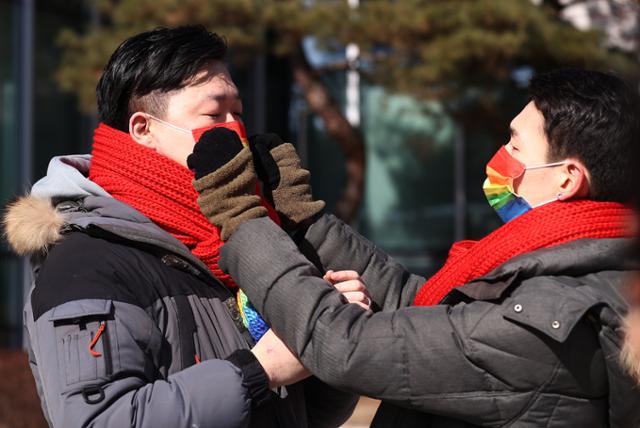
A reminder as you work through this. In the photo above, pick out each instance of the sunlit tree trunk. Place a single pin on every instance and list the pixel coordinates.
(338, 128)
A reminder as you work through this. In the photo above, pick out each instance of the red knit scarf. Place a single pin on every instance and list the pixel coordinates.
(552, 224)
(159, 188)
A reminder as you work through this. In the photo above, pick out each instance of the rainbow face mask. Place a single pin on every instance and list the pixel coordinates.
(502, 170)
(236, 126)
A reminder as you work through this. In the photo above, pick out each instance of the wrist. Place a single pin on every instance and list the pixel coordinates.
(267, 365)
(254, 376)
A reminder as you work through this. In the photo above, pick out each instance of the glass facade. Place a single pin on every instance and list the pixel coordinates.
(37, 121)
(10, 266)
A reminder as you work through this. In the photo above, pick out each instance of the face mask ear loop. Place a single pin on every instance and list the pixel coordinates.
(557, 198)
(545, 165)
(170, 125)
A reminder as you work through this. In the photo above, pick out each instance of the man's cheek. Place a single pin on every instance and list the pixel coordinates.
(178, 151)
(185, 152)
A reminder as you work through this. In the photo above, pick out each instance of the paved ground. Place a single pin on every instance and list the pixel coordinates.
(19, 405)
(20, 408)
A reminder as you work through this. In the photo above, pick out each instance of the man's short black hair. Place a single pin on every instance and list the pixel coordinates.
(148, 65)
(593, 117)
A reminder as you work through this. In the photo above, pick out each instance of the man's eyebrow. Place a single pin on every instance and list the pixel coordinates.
(222, 97)
(513, 131)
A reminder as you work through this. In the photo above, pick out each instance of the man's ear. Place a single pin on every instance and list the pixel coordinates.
(574, 181)
(139, 125)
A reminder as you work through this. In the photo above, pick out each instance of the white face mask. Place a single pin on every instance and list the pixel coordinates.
(236, 126)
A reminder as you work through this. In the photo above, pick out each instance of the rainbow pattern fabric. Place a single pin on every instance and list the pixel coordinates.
(501, 171)
(250, 317)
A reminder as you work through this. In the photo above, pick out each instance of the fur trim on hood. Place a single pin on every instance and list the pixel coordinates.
(630, 352)
(31, 225)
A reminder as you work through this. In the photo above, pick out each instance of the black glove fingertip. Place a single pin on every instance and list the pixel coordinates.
(269, 140)
(215, 148)
(266, 168)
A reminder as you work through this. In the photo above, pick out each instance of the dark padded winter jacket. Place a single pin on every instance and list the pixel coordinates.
(120, 313)
(534, 343)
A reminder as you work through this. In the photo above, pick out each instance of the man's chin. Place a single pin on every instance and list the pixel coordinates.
(179, 158)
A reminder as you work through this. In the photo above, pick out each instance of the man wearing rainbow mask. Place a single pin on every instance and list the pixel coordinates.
(130, 321)
(521, 329)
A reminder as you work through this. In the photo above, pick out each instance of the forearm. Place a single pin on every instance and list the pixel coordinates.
(427, 358)
(190, 397)
(338, 247)
(119, 385)
(375, 354)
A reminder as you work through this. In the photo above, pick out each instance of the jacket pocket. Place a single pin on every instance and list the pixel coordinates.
(84, 341)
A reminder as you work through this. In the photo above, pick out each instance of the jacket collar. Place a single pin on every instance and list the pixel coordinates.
(552, 289)
(573, 259)
(101, 215)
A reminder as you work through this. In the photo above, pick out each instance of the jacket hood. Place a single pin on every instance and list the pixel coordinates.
(67, 199)
(67, 178)
(32, 223)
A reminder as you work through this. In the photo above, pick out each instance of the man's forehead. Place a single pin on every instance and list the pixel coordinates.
(530, 118)
(216, 94)
(221, 95)
(213, 85)
(213, 88)
(216, 72)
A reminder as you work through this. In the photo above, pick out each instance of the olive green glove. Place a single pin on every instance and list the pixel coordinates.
(225, 180)
(287, 184)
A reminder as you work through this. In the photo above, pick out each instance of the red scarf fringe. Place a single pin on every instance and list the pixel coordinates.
(549, 225)
(159, 188)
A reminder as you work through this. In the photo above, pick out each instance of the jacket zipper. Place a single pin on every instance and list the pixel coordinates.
(106, 345)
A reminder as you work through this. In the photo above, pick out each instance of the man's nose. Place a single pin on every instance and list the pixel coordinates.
(229, 117)
(509, 147)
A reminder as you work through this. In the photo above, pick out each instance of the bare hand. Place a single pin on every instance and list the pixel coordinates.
(350, 285)
(280, 364)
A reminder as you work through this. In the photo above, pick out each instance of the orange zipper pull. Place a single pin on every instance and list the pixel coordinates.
(95, 340)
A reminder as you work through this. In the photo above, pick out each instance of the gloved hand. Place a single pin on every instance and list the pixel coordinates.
(286, 182)
(225, 180)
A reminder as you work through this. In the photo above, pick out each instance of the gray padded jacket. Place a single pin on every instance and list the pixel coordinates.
(120, 311)
(534, 343)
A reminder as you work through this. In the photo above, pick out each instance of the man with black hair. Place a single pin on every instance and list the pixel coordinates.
(522, 328)
(130, 321)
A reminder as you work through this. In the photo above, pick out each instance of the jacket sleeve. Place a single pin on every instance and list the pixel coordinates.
(333, 245)
(423, 358)
(119, 384)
